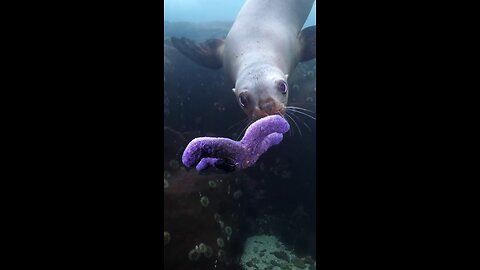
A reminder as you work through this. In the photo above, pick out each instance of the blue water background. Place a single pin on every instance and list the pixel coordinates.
(211, 10)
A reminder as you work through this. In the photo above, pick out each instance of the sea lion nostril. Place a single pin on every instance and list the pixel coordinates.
(267, 105)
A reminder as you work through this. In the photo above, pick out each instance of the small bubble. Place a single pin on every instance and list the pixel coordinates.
(204, 201)
(166, 238)
(237, 194)
(165, 183)
(212, 184)
(202, 248)
(220, 242)
(228, 230)
(221, 255)
(208, 253)
(193, 255)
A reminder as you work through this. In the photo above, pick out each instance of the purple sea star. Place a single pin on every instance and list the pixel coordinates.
(228, 154)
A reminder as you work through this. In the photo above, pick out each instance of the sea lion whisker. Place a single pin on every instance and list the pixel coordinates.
(239, 129)
(289, 121)
(300, 112)
(290, 132)
(312, 114)
(303, 122)
(299, 108)
(303, 113)
(243, 130)
(310, 104)
(293, 120)
(238, 123)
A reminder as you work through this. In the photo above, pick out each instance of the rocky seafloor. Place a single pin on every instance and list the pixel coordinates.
(267, 252)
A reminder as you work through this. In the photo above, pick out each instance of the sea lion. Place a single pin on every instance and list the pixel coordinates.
(263, 46)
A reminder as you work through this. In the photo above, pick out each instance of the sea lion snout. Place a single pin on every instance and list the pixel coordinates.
(269, 106)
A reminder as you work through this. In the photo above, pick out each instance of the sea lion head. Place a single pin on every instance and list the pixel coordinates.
(262, 91)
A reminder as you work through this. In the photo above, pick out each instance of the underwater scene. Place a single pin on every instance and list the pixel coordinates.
(230, 215)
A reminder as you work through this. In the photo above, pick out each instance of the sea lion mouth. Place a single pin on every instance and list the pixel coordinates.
(259, 113)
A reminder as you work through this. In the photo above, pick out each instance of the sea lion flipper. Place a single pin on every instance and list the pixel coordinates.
(208, 54)
(308, 43)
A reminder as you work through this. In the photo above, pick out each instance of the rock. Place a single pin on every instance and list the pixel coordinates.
(274, 263)
(285, 266)
(298, 263)
(308, 260)
(281, 255)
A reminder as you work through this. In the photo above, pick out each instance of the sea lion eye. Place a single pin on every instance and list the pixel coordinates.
(283, 87)
(243, 99)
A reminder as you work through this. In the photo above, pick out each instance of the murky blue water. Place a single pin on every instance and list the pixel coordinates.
(211, 10)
